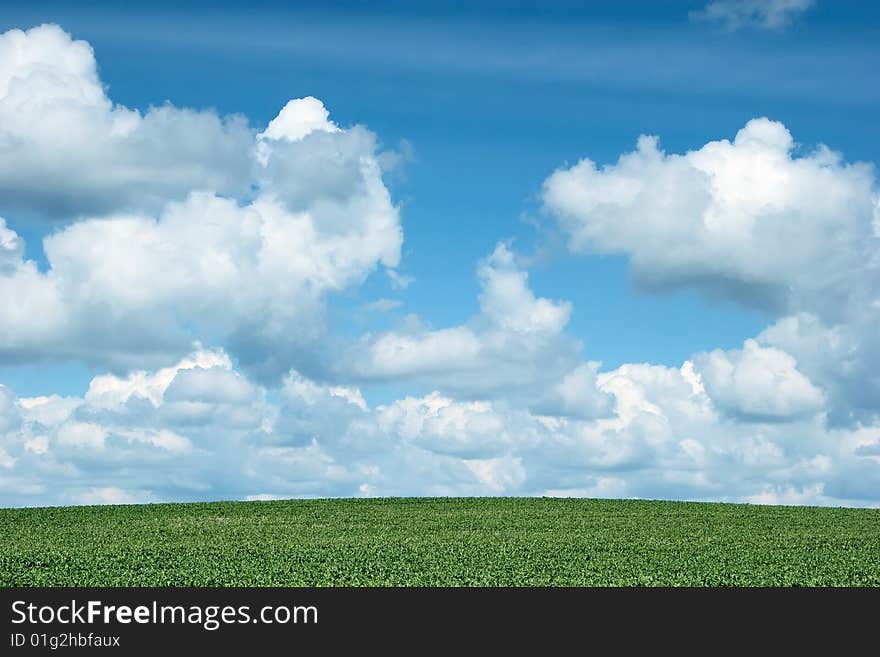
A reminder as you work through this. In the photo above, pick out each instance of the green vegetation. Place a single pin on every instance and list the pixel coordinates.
(440, 542)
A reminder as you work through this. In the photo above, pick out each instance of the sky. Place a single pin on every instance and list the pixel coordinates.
(353, 249)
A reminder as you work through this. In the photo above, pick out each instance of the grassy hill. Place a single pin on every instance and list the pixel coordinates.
(439, 542)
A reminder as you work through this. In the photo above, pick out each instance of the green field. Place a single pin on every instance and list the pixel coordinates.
(440, 542)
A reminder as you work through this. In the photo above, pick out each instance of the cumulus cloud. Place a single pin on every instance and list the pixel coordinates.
(745, 219)
(11, 248)
(762, 14)
(298, 119)
(577, 395)
(67, 150)
(107, 390)
(758, 383)
(141, 287)
(508, 303)
(843, 357)
(749, 220)
(442, 425)
(515, 347)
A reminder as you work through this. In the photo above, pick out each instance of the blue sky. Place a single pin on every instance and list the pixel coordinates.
(482, 103)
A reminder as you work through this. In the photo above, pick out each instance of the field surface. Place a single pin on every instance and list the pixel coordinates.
(439, 542)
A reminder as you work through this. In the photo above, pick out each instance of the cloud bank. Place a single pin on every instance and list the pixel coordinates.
(202, 430)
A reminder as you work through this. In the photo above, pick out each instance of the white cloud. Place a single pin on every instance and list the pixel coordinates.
(161, 438)
(758, 383)
(748, 220)
(49, 410)
(604, 487)
(576, 396)
(264, 497)
(745, 219)
(442, 425)
(499, 475)
(789, 496)
(67, 150)
(514, 347)
(107, 390)
(397, 354)
(82, 434)
(508, 303)
(843, 358)
(9, 410)
(11, 248)
(299, 118)
(763, 14)
(112, 495)
(302, 389)
(6, 461)
(216, 385)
